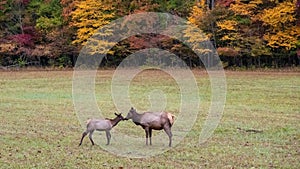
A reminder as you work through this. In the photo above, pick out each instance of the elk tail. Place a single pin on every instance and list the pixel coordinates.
(171, 118)
(88, 121)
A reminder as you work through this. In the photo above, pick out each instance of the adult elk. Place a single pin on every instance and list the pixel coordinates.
(152, 120)
(101, 125)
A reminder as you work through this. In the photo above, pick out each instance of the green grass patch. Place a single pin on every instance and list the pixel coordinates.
(40, 129)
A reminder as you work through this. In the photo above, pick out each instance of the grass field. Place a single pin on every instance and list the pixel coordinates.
(39, 127)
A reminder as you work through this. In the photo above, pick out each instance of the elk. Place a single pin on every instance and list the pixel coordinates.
(101, 125)
(152, 120)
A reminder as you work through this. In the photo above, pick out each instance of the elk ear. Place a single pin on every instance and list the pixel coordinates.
(116, 114)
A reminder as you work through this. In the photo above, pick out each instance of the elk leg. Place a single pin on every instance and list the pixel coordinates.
(90, 136)
(83, 135)
(150, 135)
(147, 134)
(108, 136)
(169, 133)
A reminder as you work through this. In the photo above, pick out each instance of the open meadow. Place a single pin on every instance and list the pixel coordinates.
(260, 126)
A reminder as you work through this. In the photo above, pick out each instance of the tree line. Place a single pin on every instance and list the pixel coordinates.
(245, 33)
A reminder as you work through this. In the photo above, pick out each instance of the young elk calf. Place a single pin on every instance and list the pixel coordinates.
(152, 120)
(101, 125)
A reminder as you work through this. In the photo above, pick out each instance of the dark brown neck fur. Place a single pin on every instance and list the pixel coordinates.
(115, 121)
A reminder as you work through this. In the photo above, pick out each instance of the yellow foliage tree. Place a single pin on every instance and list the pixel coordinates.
(196, 38)
(89, 16)
(229, 25)
(280, 21)
(245, 9)
(249, 27)
(228, 29)
(198, 12)
(281, 14)
(194, 35)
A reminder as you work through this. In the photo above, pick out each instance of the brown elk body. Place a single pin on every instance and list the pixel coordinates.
(152, 121)
(101, 125)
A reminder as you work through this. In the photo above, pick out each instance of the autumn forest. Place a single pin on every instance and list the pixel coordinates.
(245, 33)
